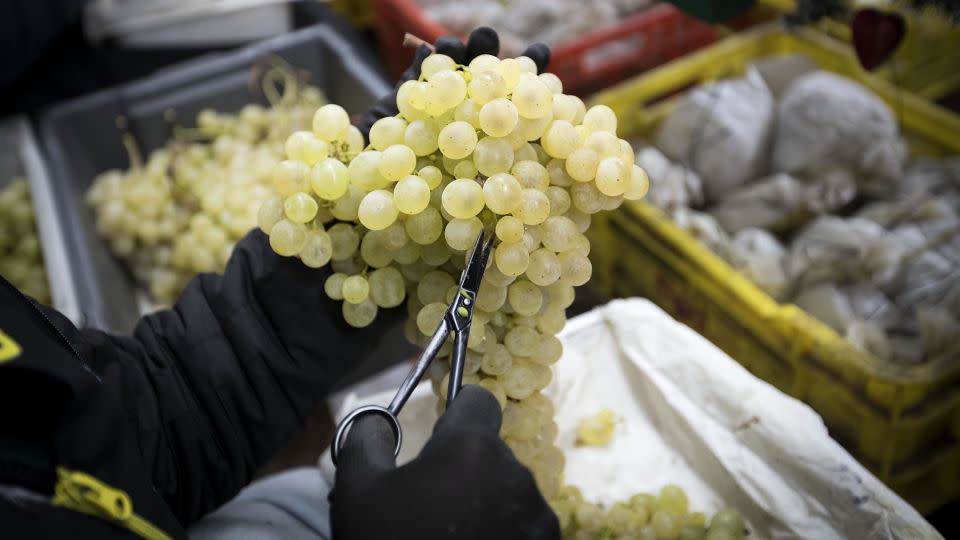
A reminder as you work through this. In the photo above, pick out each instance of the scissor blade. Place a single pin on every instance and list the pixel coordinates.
(477, 265)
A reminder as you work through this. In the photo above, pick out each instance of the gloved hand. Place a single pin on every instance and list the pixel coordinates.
(465, 484)
(483, 40)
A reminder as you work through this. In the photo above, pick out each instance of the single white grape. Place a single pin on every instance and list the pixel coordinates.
(461, 234)
(527, 65)
(559, 200)
(345, 241)
(421, 137)
(548, 351)
(604, 143)
(497, 360)
(512, 259)
(463, 198)
(457, 140)
(564, 108)
(600, 118)
(525, 297)
(526, 151)
(431, 175)
(333, 286)
(484, 62)
(317, 250)
(411, 194)
(499, 117)
(290, 176)
(509, 70)
(355, 289)
(286, 238)
(491, 297)
(469, 112)
(534, 207)
(331, 123)
(576, 269)
(377, 210)
(586, 197)
(425, 227)
(304, 146)
(387, 288)
(359, 315)
(445, 90)
(613, 177)
(411, 98)
(329, 179)
(552, 82)
(531, 174)
(582, 164)
(364, 171)
(387, 132)
(433, 286)
(430, 316)
(487, 86)
(509, 229)
(532, 129)
(560, 139)
(372, 251)
(501, 193)
(639, 184)
(532, 98)
(435, 63)
(519, 382)
(558, 233)
(271, 211)
(544, 267)
(493, 155)
(522, 341)
(300, 207)
(557, 169)
(397, 161)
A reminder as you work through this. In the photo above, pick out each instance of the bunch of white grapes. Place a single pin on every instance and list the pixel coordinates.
(490, 146)
(182, 211)
(664, 516)
(21, 261)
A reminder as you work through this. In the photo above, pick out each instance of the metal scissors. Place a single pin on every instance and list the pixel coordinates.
(457, 320)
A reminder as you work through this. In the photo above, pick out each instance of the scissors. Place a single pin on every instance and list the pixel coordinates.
(457, 320)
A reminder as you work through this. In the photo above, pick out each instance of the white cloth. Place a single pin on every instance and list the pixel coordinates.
(692, 416)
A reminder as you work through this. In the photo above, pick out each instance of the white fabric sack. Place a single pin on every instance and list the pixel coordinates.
(826, 119)
(722, 131)
(760, 256)
(671, 185)
(694, 417)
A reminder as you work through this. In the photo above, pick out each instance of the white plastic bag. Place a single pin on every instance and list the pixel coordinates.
(760, 257)
(694, 417)
(722, 131)
(671, 185)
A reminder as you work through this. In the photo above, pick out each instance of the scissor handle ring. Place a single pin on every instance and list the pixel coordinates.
(344, 424)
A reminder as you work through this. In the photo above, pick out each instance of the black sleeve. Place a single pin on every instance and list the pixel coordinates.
(228, 374)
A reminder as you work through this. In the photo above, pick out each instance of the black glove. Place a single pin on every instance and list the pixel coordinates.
(483, 40)
(465, 484)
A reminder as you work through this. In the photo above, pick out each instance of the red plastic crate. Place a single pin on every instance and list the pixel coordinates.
(594, 61)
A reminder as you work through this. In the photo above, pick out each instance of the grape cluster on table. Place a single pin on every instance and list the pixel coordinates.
(21, 261)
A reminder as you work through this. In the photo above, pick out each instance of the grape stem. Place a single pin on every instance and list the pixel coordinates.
(413, 42)
(129, 143)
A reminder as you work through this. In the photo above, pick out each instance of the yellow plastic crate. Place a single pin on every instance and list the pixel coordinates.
(903, 422)
(922, 63)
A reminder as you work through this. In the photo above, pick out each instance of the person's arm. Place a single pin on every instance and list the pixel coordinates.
(227, 375)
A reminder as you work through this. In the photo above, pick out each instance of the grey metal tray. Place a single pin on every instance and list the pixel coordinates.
(81, 140)
(20, 156)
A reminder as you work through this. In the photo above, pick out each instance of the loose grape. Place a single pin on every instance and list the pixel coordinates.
(463, 198)
(331, 123)
(457, 140)
(411, 195)
(377, 210)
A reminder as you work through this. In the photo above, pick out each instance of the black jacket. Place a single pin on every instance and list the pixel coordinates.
(177, 416)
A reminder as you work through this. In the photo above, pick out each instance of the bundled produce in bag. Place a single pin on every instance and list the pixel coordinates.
(676, 186)
(721, 130)
(760, 256)
(824, 118)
